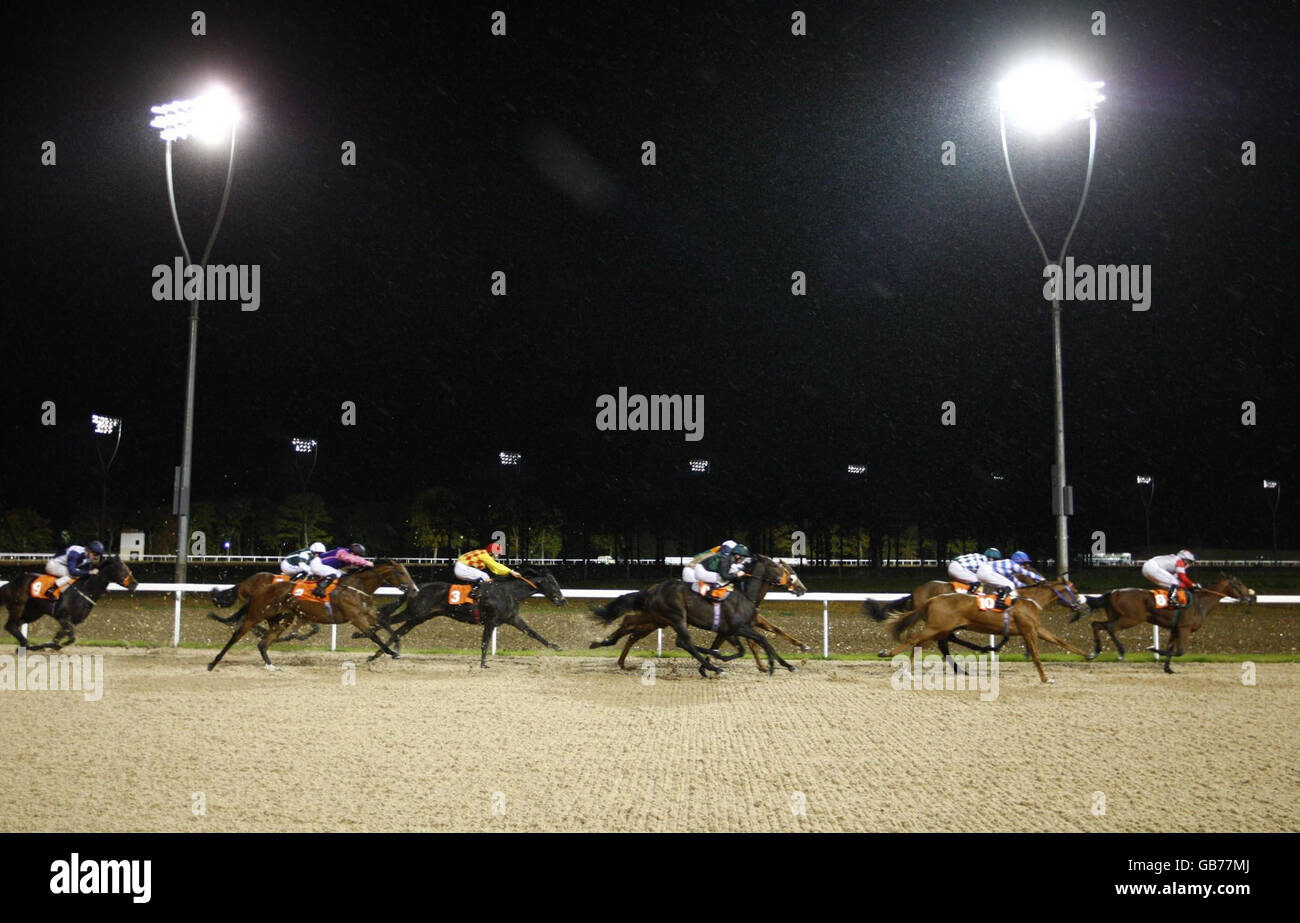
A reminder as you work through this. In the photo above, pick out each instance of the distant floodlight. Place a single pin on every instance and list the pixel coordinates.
(1270, 485)
(857, 469)
(699, 466)
(104, 426)
(1144, 479)
(1042, 95)
(207, 117)
(510, 458)
(304, 446)
(998, 477)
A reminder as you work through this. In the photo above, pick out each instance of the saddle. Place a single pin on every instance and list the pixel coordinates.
(459, 596)
(1162, 599)
(711, 592)
(306, 590)
(989, 601)
(45, 587)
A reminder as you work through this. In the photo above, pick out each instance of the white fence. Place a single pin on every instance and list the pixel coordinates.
(178, 589)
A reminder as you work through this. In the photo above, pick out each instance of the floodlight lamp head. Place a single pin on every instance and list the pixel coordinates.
(1043, 95)
(207, 118)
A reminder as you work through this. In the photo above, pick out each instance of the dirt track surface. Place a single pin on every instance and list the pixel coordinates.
(570, 743)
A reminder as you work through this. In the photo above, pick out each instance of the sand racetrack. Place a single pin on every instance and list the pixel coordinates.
(568, 743)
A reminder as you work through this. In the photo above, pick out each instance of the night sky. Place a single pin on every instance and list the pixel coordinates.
(776, 153)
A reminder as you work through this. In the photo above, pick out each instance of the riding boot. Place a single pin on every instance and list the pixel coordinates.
(320, 587)
(1003, 593)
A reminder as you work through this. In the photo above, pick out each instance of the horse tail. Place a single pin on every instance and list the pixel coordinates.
(1099, 602)
(232, 619)
(628, 602)
(900, 623)
(224, 599)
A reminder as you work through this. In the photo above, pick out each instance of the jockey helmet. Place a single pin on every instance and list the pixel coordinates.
(317, 547)
(740, 551)
(727, 546)
(1186, 555)
(358, 548)
(992, 554)
(95, 547)
(1020, 557)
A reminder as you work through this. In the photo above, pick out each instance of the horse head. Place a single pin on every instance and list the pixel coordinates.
(545, 583)
(1233, 586)
(395, 574)
(778, 574)
(117, 572)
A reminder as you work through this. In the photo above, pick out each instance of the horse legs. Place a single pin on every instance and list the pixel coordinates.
(395, 641)
(948, 658)
(685, 643)
(1059, 642)
(273, 631)
(760, 622)
(1109, 626)
(1030, 632)
(488, 628)
(633, 638)
(240, 630)
(368, 629)
(517, 621)
(773, 658)
(13, 626)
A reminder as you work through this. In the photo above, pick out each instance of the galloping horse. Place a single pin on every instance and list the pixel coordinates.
(349, 601)
(244, 591)
(944, 614)
(1046, 594)
(1128, 607)
(674, 604)
(499, 606)
(70, 609)
(764, 573)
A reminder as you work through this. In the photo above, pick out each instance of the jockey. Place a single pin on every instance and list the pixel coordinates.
(1008, 574)
(75, 561)
(965, 567)
(1170, 571)
(469, 567)
(298, 564)
(327, 566)
(718, 565)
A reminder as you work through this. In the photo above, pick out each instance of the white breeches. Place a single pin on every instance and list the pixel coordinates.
(961, 574)
(1158, 575)
(294, 570)
(324, 570)
(470, 574)
(989, 577)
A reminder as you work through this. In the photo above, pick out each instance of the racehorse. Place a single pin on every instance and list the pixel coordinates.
(764, 573)
(1046, 594)
(1128, 607)
(349, 601)
(946, 613)
(244, 591)
(499, 606)
(70, 609)
(674, 604)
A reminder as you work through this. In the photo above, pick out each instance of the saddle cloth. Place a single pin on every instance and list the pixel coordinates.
(42, 584)
(711, 592)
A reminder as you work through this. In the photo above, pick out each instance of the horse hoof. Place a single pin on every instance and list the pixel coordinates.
(1051, 682)
(211, 665)
(272, 668)
(882, 653)
(1119, 656)
(805, 648)
(1092, 656)
(593, 645)
(556, 647)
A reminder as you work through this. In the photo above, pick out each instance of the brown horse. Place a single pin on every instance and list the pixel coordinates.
(1047, 594)
(673, 604)
(765, 573)
(947, 613)
(245, 590)
(349, 601)
(70, 609)
(1128, 607)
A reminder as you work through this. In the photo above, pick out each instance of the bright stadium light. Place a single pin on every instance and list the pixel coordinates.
(1270, 485)
(1273, 502)
(210, 117)
(857, 470)
(1042, 95)
(104, 426)
(303, 446)
(510, 458)
(699, 466)
(205, 118)
(1039, 96)
(1144, 479)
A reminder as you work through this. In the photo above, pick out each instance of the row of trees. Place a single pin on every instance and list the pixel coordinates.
(439, 521)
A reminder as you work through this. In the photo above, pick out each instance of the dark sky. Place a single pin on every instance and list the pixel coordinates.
(775, 154)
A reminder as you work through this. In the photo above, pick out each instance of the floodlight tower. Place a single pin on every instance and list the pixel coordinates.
(208, 118)
(105, 426)
(304, 452)
(1040, 97)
